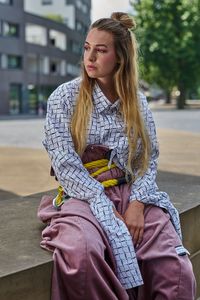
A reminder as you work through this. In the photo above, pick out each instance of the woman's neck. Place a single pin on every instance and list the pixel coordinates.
(108, 89)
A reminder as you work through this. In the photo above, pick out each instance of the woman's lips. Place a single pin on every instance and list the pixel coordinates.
(91, 68)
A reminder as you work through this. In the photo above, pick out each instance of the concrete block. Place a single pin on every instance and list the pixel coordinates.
(190, 223)
(25, 269)
(195, 259)
(33, 283)
(25, 272)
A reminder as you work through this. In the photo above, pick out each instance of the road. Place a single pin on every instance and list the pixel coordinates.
(184, 120)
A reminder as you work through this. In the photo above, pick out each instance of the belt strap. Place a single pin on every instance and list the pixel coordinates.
(102, 164)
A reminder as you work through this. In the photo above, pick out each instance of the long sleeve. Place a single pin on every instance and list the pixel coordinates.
(77, 183)
(146, 184)
(144, 188)
(68, 167)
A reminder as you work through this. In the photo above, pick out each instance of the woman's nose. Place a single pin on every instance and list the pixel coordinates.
(92, 56)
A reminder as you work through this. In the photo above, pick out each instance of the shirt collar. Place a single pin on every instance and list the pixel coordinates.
(101, 103)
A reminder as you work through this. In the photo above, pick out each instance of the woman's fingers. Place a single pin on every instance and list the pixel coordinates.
(137, 234)
(134, 219)
(140, 237)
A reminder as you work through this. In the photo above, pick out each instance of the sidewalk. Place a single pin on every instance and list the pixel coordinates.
(179, 152)
(25, 171)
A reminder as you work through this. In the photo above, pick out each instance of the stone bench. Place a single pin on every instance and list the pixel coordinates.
(25, 269)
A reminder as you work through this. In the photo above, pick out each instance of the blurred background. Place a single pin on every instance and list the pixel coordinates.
(40, 48)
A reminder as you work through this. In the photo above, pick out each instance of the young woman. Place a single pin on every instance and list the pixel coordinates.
(115, 235)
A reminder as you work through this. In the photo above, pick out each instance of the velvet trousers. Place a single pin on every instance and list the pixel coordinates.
(84, 266)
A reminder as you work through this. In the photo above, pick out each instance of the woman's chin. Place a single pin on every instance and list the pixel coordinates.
(91, 75)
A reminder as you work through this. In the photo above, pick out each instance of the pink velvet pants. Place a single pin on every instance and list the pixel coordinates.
(84, 267)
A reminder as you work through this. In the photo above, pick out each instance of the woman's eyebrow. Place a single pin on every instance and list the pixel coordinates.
(98, 45)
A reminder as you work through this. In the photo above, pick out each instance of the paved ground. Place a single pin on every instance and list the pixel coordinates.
(24, 164)
(183, 120)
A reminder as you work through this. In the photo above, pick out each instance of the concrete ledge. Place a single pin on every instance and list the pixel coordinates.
(190, 221)
(25, 272)
(32, 283)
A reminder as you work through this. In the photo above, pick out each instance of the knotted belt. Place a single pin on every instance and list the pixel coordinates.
(102, 166)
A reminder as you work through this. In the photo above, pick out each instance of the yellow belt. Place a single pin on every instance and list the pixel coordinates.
(102, 164)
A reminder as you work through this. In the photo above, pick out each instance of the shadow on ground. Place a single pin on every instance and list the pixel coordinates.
(5, 195)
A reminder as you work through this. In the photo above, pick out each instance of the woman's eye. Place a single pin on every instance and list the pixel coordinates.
(101, 50)
(86, 48)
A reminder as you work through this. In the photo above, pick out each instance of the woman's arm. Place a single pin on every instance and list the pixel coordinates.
(146, 184)
(67, 164)
(134, 217)
(145, 190)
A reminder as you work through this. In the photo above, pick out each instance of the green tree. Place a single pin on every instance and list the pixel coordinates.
(169, 36)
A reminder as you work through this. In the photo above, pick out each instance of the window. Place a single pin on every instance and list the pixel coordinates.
(53, 67)
(8, 2)
(15, 99)
(75, 47)
(66, 21)
(33, 93)
(57, 67)
(10, 29)
(47, 2)
(85, 9)
(57, 39)
(63, 68)
(32, 63)
(79, 26)
(52, 41)
(82, 6)
(4, 62)
(14, 62)
(73, 70)
(36, 34)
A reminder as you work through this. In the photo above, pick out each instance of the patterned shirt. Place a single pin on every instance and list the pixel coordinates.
(106, 128)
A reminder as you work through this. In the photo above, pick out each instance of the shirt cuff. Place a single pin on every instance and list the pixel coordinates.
(136, 195)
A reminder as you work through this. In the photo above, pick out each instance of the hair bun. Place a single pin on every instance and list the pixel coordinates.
(125, 20)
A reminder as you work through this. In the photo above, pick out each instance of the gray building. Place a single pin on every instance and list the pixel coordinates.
(37, 54)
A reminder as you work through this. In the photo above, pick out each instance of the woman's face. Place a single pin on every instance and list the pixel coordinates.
(99, 55)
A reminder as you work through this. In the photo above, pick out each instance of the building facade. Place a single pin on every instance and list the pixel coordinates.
(36, 53)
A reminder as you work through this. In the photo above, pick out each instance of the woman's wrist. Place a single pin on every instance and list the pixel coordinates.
(138, 204)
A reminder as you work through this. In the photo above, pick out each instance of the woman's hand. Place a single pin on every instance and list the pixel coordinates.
(134, 219)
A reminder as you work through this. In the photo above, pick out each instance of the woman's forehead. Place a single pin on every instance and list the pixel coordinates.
(99, 37)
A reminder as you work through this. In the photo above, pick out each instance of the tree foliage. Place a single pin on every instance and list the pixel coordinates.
(169, 37)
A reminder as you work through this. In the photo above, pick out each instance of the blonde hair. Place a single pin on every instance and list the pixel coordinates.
(126, 85)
